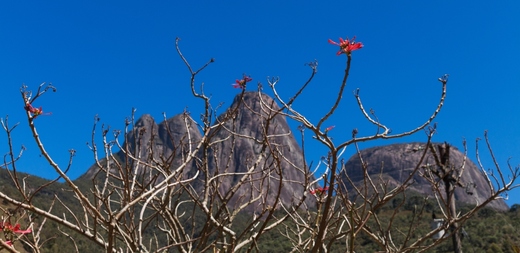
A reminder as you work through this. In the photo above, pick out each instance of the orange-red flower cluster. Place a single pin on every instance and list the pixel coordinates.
(319, 191)
(35, 111)
(346, 46)
(8, 228)
(242, 82)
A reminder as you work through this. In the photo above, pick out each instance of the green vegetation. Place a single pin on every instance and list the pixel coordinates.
(488, 230)
(52, 232)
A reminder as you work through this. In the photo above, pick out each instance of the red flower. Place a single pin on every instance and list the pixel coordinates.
(10, 229)
(346, 46)
(242, 82)
(319, 190)
(35, 111)
(7, 227)
(329, 128)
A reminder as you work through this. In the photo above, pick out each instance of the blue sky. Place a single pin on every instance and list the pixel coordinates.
(107, 57)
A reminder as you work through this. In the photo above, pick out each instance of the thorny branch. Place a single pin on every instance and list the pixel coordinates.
(171, 187)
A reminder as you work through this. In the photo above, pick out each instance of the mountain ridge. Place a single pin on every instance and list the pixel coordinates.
(252, 133)
(233, 154)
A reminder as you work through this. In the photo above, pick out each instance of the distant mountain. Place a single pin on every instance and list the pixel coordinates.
(282, 158)
(237, 145)
(393, 163)
(150, 141)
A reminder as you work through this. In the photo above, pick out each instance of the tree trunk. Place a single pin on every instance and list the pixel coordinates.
(449, 185)
(455, 235)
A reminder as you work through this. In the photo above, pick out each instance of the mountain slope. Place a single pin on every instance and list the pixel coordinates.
(395, 162)
(258, 137)
(163, 143)
(251, 135)
(241, 142)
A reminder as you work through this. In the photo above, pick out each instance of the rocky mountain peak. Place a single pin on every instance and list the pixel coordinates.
(152, 142)
(254, 135)
(393, 163)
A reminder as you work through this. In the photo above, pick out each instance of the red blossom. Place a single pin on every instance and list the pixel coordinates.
(329, 128)
(35, 111)
(319, 190)
(28, 107)
(346, 46)
(7, 227)
(242, 82)
(10, 229)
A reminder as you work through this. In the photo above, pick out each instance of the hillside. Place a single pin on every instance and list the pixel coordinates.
(489, 231)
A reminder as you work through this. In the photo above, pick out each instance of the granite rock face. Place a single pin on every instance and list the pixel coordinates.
(254, 136)
(251, 136)
(153, 143)
(394, 163)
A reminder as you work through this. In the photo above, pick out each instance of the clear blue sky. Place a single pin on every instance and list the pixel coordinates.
(106, 57)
